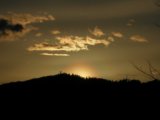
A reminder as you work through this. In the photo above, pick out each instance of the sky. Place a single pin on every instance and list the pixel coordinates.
(99, 38)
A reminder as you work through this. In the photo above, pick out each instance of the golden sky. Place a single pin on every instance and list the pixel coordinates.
(91, 38)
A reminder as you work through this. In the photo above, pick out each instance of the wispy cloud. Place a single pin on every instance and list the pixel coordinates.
(6, 28)
(97, 32)
(14, 26)
(73, 43)
(111, 39)
(131, 22)
(52, 54)
(47, 54)
(61, 55)
(69, 44)
(138, 38)
(26, 18)
(38, 34)
(55, 32)
(10, 35)
(117, 34)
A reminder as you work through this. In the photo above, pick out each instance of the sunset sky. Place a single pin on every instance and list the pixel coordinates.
(97, 38)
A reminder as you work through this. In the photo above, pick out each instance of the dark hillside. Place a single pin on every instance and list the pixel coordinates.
(76, 86)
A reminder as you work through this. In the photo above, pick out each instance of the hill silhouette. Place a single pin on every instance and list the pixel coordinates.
(66, 85)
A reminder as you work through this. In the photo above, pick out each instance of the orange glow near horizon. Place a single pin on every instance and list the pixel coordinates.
(82, 70)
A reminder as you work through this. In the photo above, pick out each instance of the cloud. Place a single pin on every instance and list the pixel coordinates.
(131, 22)
(51, 54)
(61, 55)
(138, 38)
(14, 26)
(26, 19)
(6, 25)
(117, 34)
(47, 54)
(92, 41)
(97, 32)
(111, 39)
(12, 35)
(7, 28)
(55, 32)
(50, 47)
(38, 34)
(69, 44)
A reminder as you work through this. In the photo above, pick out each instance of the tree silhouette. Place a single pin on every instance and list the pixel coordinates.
(152, 72)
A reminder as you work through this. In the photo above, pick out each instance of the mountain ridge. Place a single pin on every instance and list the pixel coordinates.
(73, 85)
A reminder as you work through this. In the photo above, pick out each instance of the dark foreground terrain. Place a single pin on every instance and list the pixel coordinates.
(65, 85)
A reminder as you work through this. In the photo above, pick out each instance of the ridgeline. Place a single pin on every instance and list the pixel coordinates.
(75, 86)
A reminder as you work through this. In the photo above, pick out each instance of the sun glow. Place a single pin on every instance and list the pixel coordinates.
(82, 70)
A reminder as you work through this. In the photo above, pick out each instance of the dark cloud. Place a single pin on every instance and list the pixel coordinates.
(14, 26)
(5, 26)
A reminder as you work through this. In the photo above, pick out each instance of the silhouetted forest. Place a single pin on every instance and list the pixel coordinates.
(75, 86)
